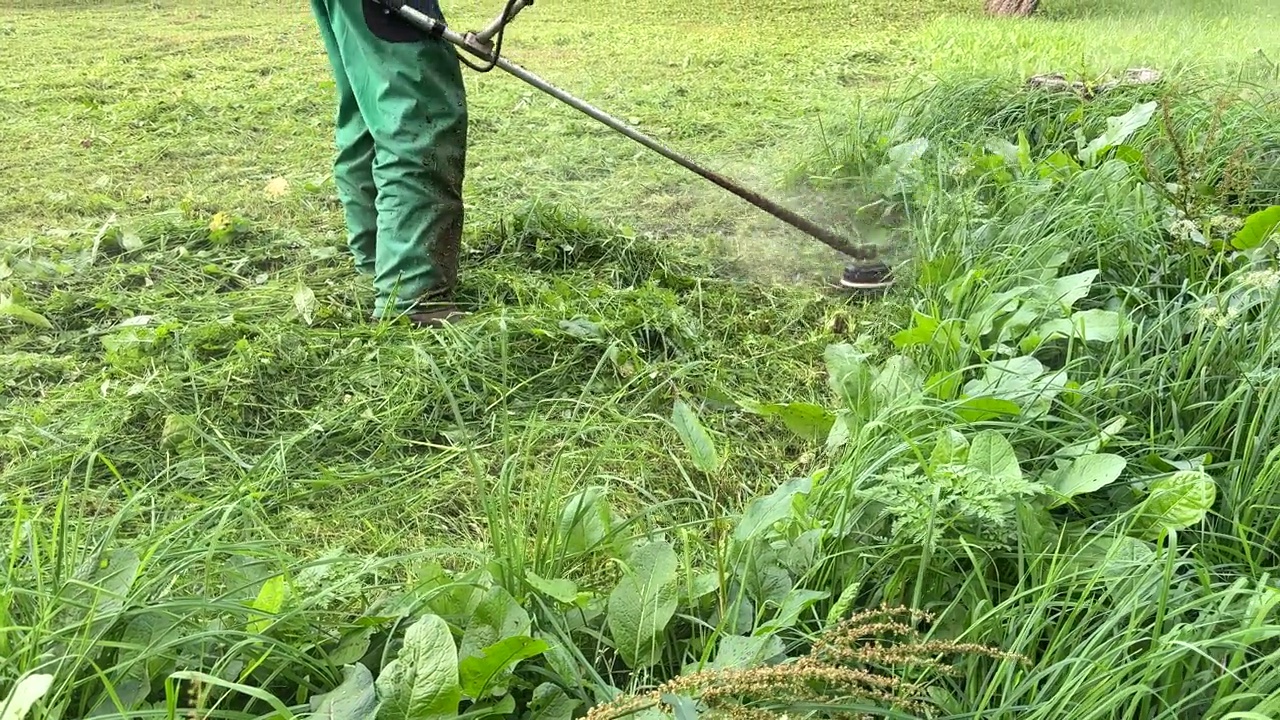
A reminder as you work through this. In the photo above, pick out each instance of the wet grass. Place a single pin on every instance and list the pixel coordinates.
(187, 369)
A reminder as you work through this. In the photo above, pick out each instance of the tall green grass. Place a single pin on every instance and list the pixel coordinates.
(628, 471)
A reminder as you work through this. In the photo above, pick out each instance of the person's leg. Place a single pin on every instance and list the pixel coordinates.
(410, 92)
(353, 165)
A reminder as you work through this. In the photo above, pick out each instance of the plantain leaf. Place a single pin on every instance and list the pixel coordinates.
(22, 313)
(1257, 228)
(422, 682)
(1176, 502)
(24, 696)
(695, 438)
(355, 699)
(486, 674)
(992, 454)
(643, 603)
(1089, 473)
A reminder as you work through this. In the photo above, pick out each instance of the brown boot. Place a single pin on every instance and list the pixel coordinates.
(436, 317)
(433, 318)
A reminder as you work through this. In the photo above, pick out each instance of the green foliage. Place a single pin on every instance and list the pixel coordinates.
(227, 496)
(695, 438)
(1257, 229)
(422, 682)
(355, 698)
(643, 603)
(977, 496)
(1086, 474)
(25, 694)
(1176, 502)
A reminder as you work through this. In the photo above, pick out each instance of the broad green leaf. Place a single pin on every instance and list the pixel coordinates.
(422, 682)
(1059, 166)
(702, 586)
(1097, 325)
(764, 577)
(100, 591)
(737, 652)
(454, 599)
(682, 707)
(929, 330)
(24, 696)
(840, 431)
(1022, 380)
(796, 602)
(585, 521)
(1088, 447)
(352, 646)
(1131, 156)
(1089, 473)
(504, 707)
(944, 384)
(1257, 228)
(1118, 130)
(643, 603)
(809, 421)
(268, 603)
(849, 375)
(983, 318)
(920, 333)
(1034, 526)
(582, 328)
(762, 512)
(1005, 378)
(1176, 502)
(497, 616)
(991, 453)
(22, 313)
(561, 661)
(486, 673)
(950, 447)
(1024, 151)
(800, 553)
(1005, 150)
(897, 380)
(1069, 290)
(695, 437)
(907, 153)
(1163, 464)
(355, 699)
(980, 409)
(565, 591)
(551, 703)
(1112, 557)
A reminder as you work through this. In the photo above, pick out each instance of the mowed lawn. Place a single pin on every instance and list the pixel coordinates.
(132, 107)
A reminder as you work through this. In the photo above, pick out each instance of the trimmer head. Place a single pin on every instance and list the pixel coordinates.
(874, 278)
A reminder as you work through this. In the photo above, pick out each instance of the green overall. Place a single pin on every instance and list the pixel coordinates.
(401, 149)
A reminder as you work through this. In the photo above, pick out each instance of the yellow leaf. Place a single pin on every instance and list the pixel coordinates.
(278, 187)
(219, 222)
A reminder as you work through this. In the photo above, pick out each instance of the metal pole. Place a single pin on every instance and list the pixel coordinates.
(478, 47)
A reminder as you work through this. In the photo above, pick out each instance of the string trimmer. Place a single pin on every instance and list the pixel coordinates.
(867, 273)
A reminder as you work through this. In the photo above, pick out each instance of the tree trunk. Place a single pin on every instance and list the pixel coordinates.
(1020, 8)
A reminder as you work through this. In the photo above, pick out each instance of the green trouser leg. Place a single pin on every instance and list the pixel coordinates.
(401, 136)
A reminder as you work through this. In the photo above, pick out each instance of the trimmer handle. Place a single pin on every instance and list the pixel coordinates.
(506, 16)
